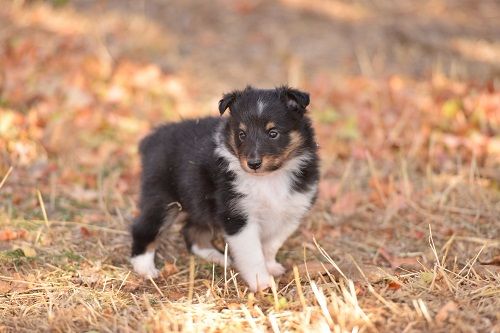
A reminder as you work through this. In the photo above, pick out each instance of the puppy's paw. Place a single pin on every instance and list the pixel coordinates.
(261, 286)
(258, 281)
(144, 265)
(275, 268)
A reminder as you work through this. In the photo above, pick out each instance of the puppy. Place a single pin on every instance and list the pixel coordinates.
(250, 176)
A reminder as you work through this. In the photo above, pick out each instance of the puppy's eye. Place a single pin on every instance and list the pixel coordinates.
(273, 133)
(242, 135)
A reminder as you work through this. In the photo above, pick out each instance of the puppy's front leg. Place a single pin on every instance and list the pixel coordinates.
(246, 251)
(272, 243)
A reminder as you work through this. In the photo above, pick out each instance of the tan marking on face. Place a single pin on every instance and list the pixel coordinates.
(244, 165)
(259, 172)
(232, 142)
(270, 125)
(296, 141)
(270, 163)
(275, 162)
(243, 127)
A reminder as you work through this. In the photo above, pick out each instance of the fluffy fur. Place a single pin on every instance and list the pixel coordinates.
(251, 176)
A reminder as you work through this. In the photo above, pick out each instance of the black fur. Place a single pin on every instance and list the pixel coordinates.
(180, 163)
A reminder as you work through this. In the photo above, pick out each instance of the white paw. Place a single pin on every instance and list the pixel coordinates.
(211, 255)
(275, 268)
(257, 281)
(144, 265)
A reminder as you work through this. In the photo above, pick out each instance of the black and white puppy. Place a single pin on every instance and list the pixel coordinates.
(252, 176)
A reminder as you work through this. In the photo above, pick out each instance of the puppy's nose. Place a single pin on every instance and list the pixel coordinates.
(254, 163)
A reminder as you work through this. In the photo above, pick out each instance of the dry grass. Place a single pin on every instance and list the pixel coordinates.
(405, 236)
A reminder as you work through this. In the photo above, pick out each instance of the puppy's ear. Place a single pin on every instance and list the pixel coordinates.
(227, 100)
(295, 100)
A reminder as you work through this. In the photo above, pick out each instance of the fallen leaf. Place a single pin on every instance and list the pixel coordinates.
(5, 287)
(19, 283)
(346, 204)
(22, 233)
(374, 274)
(244, 7)
(409, 263)
(335, 232)
(444, 312)
(394, 285)
(486, 270)
(86, 232)
(328, 189)
(359, 288)
(381, 190)
(418, 234)
(312, 267)
(282, 302)
(8, 234)
(175, 295)
(426, 277)
(28, 251)
(495, 261)
(233, 306)
(371, 273)
(169, 269)
(451, 108)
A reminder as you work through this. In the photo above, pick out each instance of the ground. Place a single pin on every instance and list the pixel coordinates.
(404, 237)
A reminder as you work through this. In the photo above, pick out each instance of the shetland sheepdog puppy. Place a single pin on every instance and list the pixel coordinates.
(250, 176)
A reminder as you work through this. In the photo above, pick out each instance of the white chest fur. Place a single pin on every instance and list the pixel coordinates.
(273, 210)
(269, 200)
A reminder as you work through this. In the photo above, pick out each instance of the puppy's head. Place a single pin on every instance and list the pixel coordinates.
(265, 127)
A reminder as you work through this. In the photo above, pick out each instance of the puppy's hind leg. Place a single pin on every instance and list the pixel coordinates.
(199, 241)
(155, 212)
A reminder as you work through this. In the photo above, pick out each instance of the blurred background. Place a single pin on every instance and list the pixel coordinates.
(132, 64)
(405, 102)
(392, 83)
(220, 45)
(225, 44)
